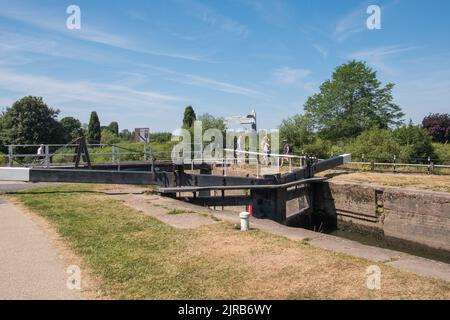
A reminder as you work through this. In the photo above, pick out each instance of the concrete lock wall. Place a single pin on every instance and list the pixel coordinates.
(417, 216)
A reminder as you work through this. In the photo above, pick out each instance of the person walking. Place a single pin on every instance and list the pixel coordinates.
(287, 150)
(265, 146)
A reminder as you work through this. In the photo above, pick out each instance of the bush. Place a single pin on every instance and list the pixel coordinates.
(108, 137)
(319, 148)
(160, 137)
(442, 152)
(376, 145)
(416, 144)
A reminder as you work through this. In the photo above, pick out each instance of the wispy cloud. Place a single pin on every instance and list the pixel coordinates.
(350, 24)
(206, 82)
(217, 20)
(287, 75)
(44, 20)
(322, 50)
(84, 92)
(217, 85)
(273, 12)
(380, 57)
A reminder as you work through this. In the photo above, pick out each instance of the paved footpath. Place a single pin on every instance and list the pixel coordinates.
(30, 266)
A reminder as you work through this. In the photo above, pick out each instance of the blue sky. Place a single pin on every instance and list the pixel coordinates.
(141, 62)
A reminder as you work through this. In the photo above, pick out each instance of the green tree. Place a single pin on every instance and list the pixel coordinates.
(126, 135)
(189, 117)
(108, 137)
(416, 143)
(211, 122)
(29, 121)
(352, 101)
(298, 130)
(114, 128)
(93, 132)
(160, 137)
(376, 145)
(71, 129)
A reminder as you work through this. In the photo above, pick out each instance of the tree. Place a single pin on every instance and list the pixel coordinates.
(108, 137)
(29, 121)
(376, 145)
(416, 144)
(351, 102)
(211, 122)
(71, 129)
(93, 132)
(438, 125)
(189, 117)
(298, 130)
(160, 137)
(126, 135)
(114, 128)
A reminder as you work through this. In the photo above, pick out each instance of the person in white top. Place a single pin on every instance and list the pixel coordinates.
(40, 150)
(265, 146)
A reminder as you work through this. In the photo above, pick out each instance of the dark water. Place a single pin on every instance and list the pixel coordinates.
(378, 240)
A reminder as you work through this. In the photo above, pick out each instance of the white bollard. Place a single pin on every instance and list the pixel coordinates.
(245, 221)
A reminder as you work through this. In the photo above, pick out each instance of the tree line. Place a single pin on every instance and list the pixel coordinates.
(354, 113)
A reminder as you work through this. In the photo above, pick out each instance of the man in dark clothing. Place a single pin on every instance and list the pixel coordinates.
(287, 150)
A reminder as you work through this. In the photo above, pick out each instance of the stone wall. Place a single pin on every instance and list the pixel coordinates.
(422, 217)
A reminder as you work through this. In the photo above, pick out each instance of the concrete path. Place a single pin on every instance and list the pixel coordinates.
(9, 186)
(30, 267)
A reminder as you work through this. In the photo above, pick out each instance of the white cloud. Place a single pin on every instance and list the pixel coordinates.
(287, 75)
(323, 51)
(207, 82)
(350, 24)
(217, 85)
(44, 20)
(218, 20)
(84, 93)
(379, 57)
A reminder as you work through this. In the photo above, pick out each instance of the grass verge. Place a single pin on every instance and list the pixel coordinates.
(139, 257)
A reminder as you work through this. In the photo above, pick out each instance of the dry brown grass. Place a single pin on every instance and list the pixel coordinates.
(416, 181)
(269, 267)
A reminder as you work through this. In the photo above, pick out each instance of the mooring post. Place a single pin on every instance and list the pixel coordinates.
(245, 221)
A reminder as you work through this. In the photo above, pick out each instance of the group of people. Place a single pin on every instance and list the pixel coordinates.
(265, 149)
